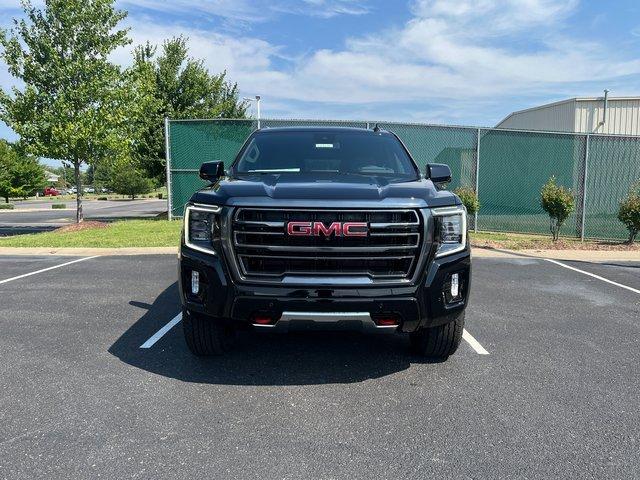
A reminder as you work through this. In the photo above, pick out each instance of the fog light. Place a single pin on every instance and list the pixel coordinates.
(195, 282)
(454, 285)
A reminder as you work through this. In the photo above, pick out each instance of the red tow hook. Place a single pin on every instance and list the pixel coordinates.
(386, 321)
(262, 319)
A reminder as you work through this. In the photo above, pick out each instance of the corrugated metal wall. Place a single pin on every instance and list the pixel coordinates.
(579, 116)
(623, 117)
(557, 117)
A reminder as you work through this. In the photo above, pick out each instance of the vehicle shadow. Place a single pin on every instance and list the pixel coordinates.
(300, 358)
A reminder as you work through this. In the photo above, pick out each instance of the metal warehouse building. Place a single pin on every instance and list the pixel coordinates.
(619, 116)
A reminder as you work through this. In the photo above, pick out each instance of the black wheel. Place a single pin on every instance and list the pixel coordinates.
(438, 342)
(206, 335)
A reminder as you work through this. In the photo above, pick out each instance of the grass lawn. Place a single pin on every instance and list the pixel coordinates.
(125, 233)
(163, 233)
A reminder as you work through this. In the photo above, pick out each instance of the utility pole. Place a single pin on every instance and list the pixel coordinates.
(257, 100)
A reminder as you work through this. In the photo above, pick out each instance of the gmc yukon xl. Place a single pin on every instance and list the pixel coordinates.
(324, 227)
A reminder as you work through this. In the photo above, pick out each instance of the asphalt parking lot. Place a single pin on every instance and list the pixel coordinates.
(556, 396)
(38, 216)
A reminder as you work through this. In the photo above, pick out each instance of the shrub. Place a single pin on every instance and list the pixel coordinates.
(629, 213)
(58, 206)
(160, 196)
(469, 198)
(558, 202)
(103, 198)
(6, 206)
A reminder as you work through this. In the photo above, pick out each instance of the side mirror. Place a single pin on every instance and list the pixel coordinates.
(211, 171)
(439, 173)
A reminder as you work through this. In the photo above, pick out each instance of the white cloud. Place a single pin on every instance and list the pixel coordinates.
(461, 52)
(241, 10)
(252, 11)
(329, 8)
(496, 16)
(246, 59)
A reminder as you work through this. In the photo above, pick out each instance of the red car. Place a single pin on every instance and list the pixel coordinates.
(51, 191)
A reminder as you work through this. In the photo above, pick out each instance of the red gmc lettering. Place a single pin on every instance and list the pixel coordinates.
(299, 228)
(349, 227)
(335, 228)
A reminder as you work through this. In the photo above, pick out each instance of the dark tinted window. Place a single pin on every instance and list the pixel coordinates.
(337, 152)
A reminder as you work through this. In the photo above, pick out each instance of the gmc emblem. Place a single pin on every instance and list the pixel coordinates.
(339, 229)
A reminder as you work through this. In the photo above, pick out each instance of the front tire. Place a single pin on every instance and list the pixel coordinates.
(206, 335)
(438, 343)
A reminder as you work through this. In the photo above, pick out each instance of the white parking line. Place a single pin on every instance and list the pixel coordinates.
(175, 320)
(474, 343)
(47, 269)
(160, 333)
(631, 289)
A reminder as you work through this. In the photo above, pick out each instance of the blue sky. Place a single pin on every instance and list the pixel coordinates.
(467, 62)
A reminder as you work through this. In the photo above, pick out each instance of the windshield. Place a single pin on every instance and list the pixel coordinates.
(361, 153)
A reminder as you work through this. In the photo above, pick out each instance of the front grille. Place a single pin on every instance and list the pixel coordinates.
(263, 249)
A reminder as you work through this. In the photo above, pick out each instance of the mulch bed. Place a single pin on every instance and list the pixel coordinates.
(82, 226)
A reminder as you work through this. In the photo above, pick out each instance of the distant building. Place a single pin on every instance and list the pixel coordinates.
(580, 115)
(51, 177)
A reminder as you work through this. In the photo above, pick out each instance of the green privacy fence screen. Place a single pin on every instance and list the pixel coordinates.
(506, 167)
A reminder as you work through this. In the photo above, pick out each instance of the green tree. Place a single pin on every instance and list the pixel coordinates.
(629, 212)
(101, 177)
(8, 157)
(89, 175)
(558, 202)
(76, 106)
(20, 175)
(126, 179)
(184, 88)
(27, 176)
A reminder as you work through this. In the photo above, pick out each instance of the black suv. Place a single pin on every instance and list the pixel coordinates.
(324, 227)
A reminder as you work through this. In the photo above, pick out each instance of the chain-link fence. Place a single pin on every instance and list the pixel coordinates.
(506, 167)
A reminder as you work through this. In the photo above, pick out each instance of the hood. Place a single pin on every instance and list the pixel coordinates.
(331, 190)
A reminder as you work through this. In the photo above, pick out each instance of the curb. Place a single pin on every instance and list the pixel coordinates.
(582, 255)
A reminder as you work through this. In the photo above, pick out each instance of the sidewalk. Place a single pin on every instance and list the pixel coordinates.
(583, 255)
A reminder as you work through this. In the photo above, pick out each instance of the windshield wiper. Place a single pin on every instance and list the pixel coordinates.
(275, 170)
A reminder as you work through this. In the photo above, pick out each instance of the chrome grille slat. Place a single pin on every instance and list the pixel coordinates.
(264, 224)
(391, 234)
(323, 248)
(393, 225)
(263, 250)
(281, 248)
(318, 257)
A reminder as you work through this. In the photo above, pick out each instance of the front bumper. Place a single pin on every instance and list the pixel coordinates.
(423, 304)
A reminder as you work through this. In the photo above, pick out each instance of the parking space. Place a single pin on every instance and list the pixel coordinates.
(12, 266)
(555, 398)
(625, 273)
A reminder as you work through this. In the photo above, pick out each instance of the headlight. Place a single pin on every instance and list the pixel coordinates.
(452, 229)
(200, 223)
